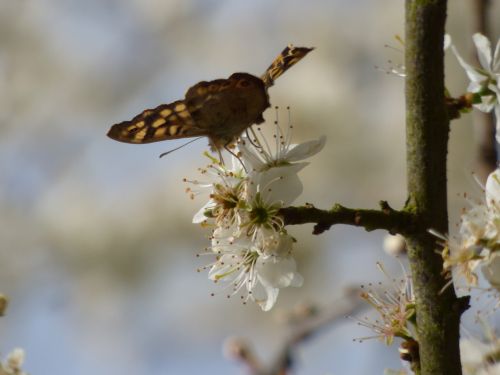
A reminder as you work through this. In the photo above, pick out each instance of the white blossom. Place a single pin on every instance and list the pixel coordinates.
(249, 240)
(245, 266)
(478, 243)
(484, 80)
(396, 308)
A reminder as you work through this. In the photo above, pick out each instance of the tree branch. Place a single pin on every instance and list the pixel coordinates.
(393, 221)
(427, 128)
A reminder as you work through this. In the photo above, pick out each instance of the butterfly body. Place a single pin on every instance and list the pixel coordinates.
(226, 107)
(220, 109)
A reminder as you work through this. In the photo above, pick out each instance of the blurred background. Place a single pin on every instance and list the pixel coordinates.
(97, 250)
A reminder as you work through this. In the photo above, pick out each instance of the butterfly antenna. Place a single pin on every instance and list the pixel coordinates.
(250, 139)
(226, 147)
(181, 146)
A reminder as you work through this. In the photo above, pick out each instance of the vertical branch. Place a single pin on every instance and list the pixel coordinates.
(427, 128)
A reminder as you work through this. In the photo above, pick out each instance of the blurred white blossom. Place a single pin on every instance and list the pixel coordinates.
(395, 306)
(478, 243)
(481, 357)
(13, 363)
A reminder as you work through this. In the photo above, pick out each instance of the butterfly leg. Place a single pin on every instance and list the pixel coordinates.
(226, 147)
(220, 156)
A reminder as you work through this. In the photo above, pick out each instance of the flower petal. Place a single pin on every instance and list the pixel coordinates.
(447, 41)
(251, 159)
(491, 271)
(278, 272)
(265, 296)
(496, 58)
(497, 116)
(279, 184)
(471, 72)
(493, 189)
(200, 217)
(483, 50)
(305, 150)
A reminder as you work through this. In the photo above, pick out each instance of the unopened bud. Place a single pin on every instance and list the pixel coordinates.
(394, 245)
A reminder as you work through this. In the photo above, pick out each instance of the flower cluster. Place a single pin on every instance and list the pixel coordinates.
(478, 242)
(252, 248)
(396, 307)
(484, 81)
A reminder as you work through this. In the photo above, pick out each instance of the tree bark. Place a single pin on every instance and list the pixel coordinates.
(427, 130)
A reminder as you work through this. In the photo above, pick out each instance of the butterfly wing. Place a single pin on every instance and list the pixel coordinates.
(167, 121)
(285, 60)
(226, 107)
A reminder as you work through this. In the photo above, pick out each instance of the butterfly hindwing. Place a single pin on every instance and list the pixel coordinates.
(167, 121)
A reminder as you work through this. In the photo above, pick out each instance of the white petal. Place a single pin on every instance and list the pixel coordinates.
(279, 184)
(223, 266)
(496, 58)
(274, 243)
(200, 217)
(483, 50)
(491, 271)
(472, 352)
(475, 86)
(447, 41)
(487, 103)
(471, 72)
(497, 116)
(493, 188)
(251, 159)
(305, 150)
(265, 296)
(278, 272)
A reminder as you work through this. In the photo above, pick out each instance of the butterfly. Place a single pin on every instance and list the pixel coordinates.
(220, 109)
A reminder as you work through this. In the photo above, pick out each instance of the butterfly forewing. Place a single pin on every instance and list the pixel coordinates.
(167, 121)
(220, 109)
